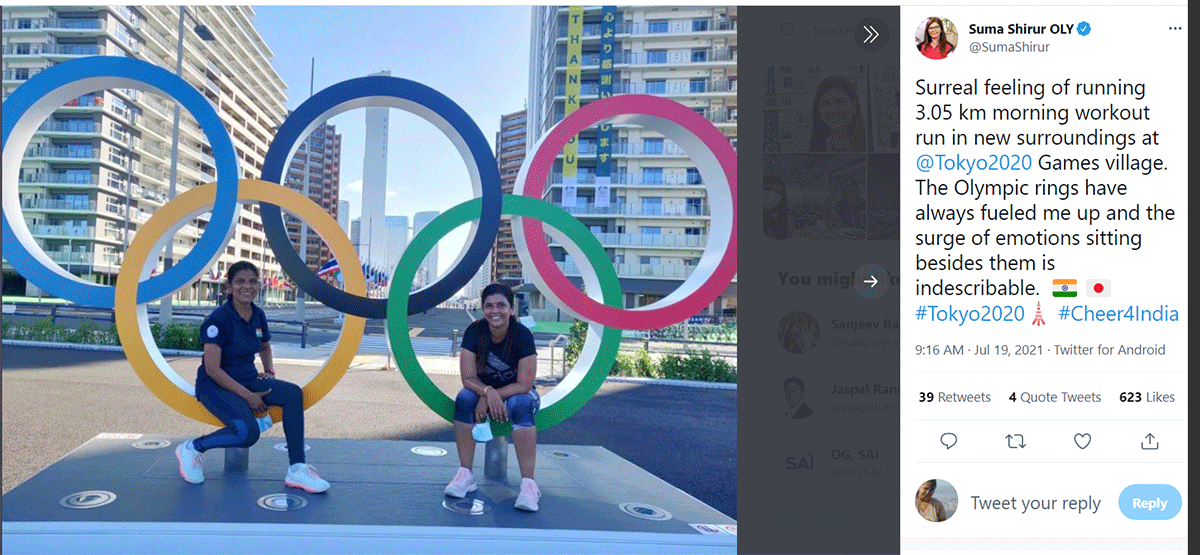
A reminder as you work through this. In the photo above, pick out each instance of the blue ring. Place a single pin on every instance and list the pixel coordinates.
(376, 91)
(212, 239)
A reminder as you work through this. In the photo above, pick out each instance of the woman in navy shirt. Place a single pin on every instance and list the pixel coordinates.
(232, 389)
(498, 364)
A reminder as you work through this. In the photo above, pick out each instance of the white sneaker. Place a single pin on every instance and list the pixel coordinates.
(529, 496)
(305, 477)
(462, 484)
(191, 463)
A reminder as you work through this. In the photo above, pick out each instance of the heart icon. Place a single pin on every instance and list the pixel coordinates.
(1083, 440)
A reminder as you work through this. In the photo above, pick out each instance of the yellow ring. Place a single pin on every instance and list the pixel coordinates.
(133, 326)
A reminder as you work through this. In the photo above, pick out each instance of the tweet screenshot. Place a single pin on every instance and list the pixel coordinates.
(1044, 218)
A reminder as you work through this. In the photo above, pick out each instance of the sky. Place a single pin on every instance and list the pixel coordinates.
(478, 56)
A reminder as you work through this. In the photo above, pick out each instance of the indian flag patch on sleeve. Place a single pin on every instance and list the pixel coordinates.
(1066, 288)
(258, 333)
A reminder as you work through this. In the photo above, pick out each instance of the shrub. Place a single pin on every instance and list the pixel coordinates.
(623, 366)
(178, 336)
(45, 330)
(575, 338)
(87, 332)
(643, 365)
(697, 366)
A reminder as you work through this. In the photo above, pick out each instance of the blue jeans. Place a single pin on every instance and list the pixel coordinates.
(521, 407)
(241, 428)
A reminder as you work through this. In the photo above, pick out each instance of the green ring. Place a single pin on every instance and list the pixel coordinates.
(513, 205)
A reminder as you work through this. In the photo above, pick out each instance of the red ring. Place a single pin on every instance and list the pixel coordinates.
(535, 186)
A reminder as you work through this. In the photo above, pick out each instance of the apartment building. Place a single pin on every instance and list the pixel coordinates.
(101, 165)
(655, 221)
(510, 154)
(319, 161)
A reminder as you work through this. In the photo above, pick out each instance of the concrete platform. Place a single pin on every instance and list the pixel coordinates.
(122, 493)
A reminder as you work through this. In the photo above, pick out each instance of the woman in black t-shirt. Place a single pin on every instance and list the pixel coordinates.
(498, 364)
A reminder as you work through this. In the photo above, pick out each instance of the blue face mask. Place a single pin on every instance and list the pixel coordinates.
(482, 431)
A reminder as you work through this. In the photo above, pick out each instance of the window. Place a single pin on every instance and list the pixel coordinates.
(733, 84)
(696, 85)
(652, 176)
(21, 73)
(21, 48)
(652, 146)
(699, 55)
(82, 125)
(651, 230)
(661, 26)
(695, 206)
(651, 206)
(78, 176)
(699, 25)
(656, 56)
(652, 260)
(79, 151)
(24, 23)
(656, 86)
(596, 229)
(119, 107)
(692, 231)
(693, 176)
(112, 205)
(702, 110)
(733, 114)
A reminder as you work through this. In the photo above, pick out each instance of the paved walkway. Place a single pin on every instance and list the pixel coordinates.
(54, 400)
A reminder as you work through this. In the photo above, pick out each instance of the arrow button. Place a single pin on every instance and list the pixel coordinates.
(871, 34)
(1150, 443)
(872, 281)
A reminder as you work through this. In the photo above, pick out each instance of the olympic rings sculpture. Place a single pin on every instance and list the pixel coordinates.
(43, 93)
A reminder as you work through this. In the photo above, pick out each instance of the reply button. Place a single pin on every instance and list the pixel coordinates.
(1150, 501)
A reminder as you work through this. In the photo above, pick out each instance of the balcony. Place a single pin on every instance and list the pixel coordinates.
(74, 24)
(683, 26)
(86, 102)
(682, 57)
(648, 240)
(666, 148)
(59, 178)
(44, 24)
(62, 152)
(69, 126)
(51, 49)
(592, 30)
(57, 204)
(589, 178)
(636, 270)
(674, 88)
(593, 59)
(21, 74)
(61, 230)
(624, 209)
(68, 257)
(710, 115)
